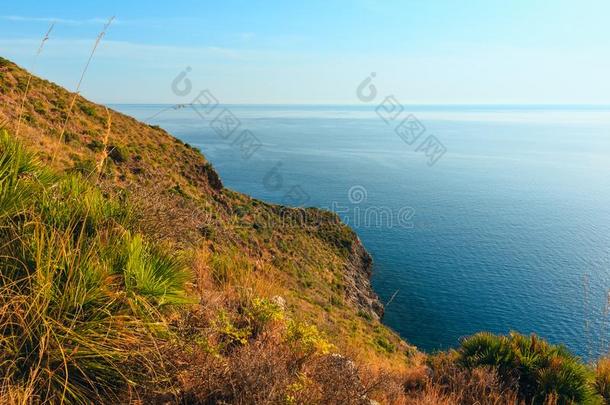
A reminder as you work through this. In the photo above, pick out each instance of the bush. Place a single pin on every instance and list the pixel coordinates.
(85, 167)
(449, 383)
(385, 344)
(95, 145)
(73, 287)
(257, 373)
(73, 200)
(261, 312)
(152, 278)
(70, 136)
(539, 369)
(306, 339)
(88, 110)
(22, 178)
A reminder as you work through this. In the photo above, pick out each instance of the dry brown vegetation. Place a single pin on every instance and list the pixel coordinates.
(240, 312)
(177, 200)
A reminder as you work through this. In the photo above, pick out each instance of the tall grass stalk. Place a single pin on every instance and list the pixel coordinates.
(104, 151)
(80, 82)
(27, 86)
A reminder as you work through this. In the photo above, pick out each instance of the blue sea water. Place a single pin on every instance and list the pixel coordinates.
(509, 230)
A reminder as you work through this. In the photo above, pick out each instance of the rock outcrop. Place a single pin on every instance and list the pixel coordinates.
(358, 271)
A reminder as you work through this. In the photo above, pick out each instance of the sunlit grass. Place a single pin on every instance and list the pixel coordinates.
(538, 369)
(73, 287)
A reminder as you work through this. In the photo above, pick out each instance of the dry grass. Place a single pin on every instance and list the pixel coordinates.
(80, 82)
(81, 298)
(459, 385)
(104, 151)
(29, 80)
(246, 334)
(602, 378)
(267, 370)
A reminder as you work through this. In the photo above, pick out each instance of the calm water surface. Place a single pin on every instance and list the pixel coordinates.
(511, 228)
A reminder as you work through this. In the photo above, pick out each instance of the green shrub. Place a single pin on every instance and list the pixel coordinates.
(22, 84)
(66, 333)
(262, 312)
(95, 145)
(70, 136)
(85, 167)
(73, 200)
(385, 344)
(365, 315)
(88, 110)
(229, 333)
(29, 118)
(39, 107)
(74, 285)
(22, 177)
(151, 276)
(305, 338)
(59, 103)
(540, 370)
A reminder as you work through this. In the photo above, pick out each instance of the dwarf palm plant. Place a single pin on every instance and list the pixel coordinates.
(21, 177)
(72, 279)
(540, 370)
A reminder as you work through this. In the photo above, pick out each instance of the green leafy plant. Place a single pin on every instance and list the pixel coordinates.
(22, 177)
(73, 285)
(90, 111)
(262, 312)
(96, 145)
(539, 369)
(229, 333)
(306, 338)
(151, 276)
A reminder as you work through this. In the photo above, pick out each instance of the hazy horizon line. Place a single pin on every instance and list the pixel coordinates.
(366, 105)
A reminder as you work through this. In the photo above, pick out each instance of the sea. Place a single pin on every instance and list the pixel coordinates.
(479, 218)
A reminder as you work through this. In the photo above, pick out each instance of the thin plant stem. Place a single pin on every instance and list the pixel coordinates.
(27, 86)
(104, 153)
(80, 82)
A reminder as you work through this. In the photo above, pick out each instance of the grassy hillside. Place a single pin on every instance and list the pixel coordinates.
(238, 246)
(179, 200)
(129, 273)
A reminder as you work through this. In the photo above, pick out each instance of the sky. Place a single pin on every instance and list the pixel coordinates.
(319, 51)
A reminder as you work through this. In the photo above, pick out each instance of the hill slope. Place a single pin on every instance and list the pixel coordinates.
(131, 275)
(304, 257)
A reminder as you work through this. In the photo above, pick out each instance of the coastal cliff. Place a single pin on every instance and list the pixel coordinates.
(150, 163)
(358, 272)
(318, 271)
(130, 274)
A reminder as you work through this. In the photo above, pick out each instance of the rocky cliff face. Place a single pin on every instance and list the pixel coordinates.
(358, 271)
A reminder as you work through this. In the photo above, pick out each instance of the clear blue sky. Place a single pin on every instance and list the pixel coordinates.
(318, 51)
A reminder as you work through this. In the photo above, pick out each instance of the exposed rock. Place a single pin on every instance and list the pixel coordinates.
(348, 364)
(279, 301)
(212, 176)
(358, 272)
